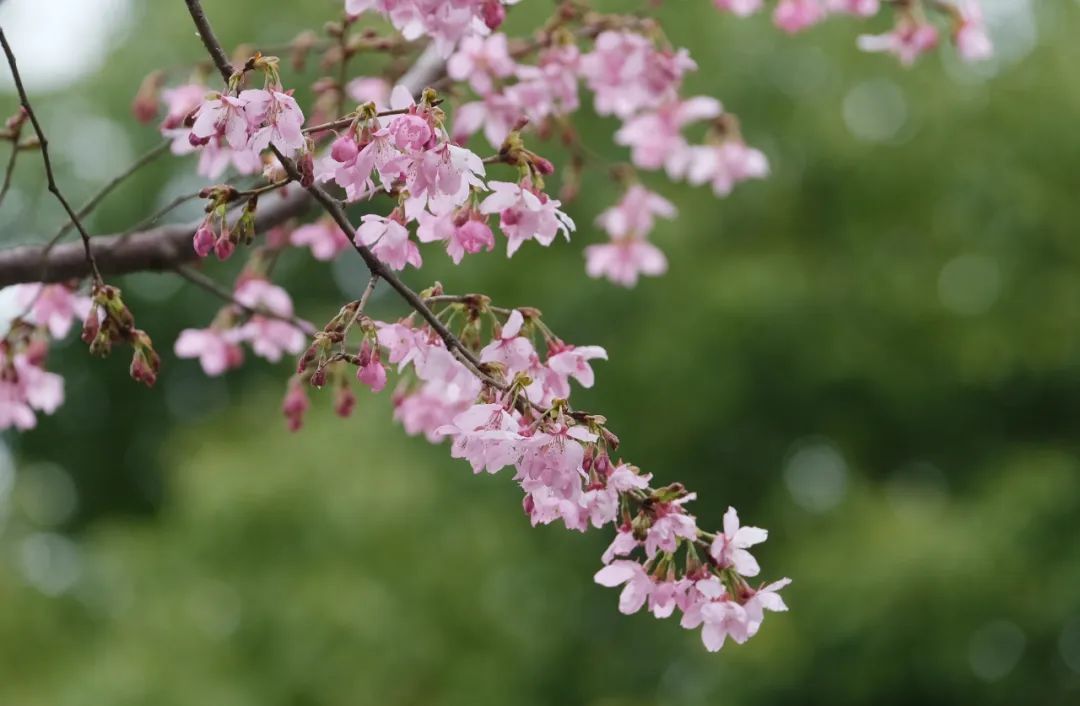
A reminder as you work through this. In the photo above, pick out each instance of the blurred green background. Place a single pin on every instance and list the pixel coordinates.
(875, 354)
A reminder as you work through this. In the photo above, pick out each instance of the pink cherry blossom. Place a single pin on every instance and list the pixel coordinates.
(796, 15)
(725, 165)
(763, 599)
(509, 348)
(623, 544)
(741, 8)
(972, 41)
(729, 547)
(496, 114)
(627, 73)
(389, 240)
(638, 584)
(480, 62)
(216, 349)
(26, 388)
(655, 137)
(908, 41)
(635, 213)
(180, 102)
(324, 237)
(367, 89)
(53, 306)
(224, 117)
(371, 371)
(280, 118)
(859, 8)
(573, 362)
(525, 214)
(623, 261)
(668, 529)
(269, 337)
(485, 435)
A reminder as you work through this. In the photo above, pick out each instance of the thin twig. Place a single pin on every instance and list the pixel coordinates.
(44, 145)
(204, 282)
(160, 213)
(9, 171)
(87, 208)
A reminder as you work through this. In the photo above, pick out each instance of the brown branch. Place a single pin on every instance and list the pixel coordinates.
(44, 146)
(157, 249)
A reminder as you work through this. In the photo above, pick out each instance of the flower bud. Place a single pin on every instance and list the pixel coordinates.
(493, 13)
(203, 241)
(344, 149)
(224, 247)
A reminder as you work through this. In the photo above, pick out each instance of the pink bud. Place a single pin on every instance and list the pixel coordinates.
(295, 406)
(344, 402)
(344, 149)
(204, 240)
(224, 247)
(494, 14)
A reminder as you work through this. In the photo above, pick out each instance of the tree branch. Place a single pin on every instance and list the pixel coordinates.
(157, 249)
(44, 146)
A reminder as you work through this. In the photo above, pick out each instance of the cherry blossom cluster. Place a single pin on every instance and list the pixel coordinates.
(913, 34)
(261, 316)
(495, 383)
(502, 404)
(26, 387)
(633, 77)
(445, 22)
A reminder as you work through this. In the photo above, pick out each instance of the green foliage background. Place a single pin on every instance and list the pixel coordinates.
(875, 354)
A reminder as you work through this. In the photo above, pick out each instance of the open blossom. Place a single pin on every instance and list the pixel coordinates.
(859, 8)
(551, 86)
(481, 61)
(53, 306)
(796, 15)
(218, 350)
(26, 388)
(526, 214)
(485, 435)
(510, 348)
(655, 137)
(627, 73)
(281, 120)
(389, 240)
(573, 362)
(446, 22)
(636, 212)
(725, 165)
(741, 8)
(637, 585)
(908, 41)
(270, 337)
(324, 237)
(623, 544)
(623, 261)
(729, 547)
(765, 598)
(225, 117)
(496, 114)
(463, 232)
(972, 42)
(667, 530)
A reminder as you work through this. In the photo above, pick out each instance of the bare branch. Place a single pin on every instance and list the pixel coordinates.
(157, 249)
(44, 146)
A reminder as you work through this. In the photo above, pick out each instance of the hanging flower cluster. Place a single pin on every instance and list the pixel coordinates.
(493, 383)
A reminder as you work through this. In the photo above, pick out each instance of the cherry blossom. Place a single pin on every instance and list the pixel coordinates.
(54, 306)
(526, 214)
(623, 261)
(481, 62)
(972, 41)
(217, 349)
(324, 237)
(908, 40)
(729, 547)
(270, 336)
